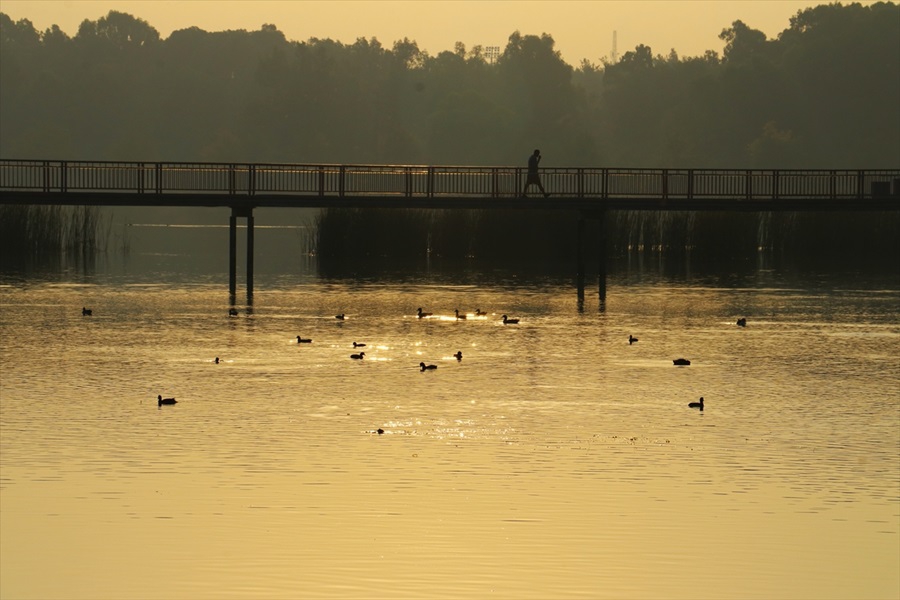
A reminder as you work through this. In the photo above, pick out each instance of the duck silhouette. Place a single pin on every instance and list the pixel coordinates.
(86, 312)
(508, 321)
(459, 317)
(422, 314)
(480, 313)
(358, 356)
(358, 345)
(696, 404)
(425, 367)
(631, 339)
(301, 340)
(160, 400)
(682, 362)
(339, 317)
(742, 322)
(217, 360)
(458, 355)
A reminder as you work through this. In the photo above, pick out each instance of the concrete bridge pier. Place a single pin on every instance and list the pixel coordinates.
(245, 212)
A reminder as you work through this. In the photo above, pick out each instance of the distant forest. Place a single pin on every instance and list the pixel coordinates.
(824, 94)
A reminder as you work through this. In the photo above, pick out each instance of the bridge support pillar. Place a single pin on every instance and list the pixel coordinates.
(232, 255)
(246, 212)
(600, 217)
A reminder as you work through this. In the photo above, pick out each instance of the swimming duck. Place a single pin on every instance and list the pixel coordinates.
(631, 339)
(480, 313)
(358, 345)
(86, 312)
(458, 355)
(681, 362)
(425, 367)
(161, 400)
(508, 321)
(696, 404)
(301, 340)
(358, 356)
(423, 314)
(339, 317)
(459, 317)
(742, 322)
(217, 360)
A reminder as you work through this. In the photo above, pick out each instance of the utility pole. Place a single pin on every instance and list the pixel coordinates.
(615, 50)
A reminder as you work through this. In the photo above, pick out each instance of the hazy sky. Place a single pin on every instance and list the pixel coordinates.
(581, 28)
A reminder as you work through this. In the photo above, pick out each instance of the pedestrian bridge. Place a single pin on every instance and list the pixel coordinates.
(248, 186)
(590, 192)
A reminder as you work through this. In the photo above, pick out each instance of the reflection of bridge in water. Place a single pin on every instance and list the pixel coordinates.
(589, 192)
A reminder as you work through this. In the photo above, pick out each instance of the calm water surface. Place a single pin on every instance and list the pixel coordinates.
(555, 460)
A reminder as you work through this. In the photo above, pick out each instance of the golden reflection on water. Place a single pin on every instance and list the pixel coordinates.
(553, 460)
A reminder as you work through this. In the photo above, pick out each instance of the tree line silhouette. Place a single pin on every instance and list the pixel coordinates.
(822, 94)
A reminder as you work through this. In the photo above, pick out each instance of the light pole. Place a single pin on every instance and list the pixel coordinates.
(492, 53)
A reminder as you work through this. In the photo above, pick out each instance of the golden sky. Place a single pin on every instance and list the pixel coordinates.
(581, 28)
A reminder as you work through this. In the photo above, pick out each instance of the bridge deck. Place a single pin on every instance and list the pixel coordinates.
(248, 186)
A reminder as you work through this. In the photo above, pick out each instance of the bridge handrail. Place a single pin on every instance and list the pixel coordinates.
(250, 179)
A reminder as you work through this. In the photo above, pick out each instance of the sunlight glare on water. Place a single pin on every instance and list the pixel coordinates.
(553, 460)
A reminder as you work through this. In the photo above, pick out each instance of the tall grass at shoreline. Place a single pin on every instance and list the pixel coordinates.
(537, 235)
(28, 231)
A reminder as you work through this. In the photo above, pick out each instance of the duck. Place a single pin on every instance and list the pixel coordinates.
(379, 431)
(425, 367)
(742, 322)
(459, 317)
(339, 317)
(681, 362)
(696, 404)
(217, 360)
(480, 313)
(358, 345)
(631, 339)
(232, 312)
(458, 355)
(160, 400)
(86, 312)
(358, 356)
(508, 321)
(302, 340)
(422, 314)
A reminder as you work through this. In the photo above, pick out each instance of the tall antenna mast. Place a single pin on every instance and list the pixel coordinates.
(615, 50)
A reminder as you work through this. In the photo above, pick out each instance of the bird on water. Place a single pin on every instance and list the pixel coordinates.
(696, 404)
(358, 356)
(480, 313)
(339, 317)
(425, 367)
(682, 362)
(742, 322)
(358, 345)
(459, 317)
(160, 400)
(86, 312)
(631, 339)
(508, 321)
(302, 340)
(458, 355)
(422, 314)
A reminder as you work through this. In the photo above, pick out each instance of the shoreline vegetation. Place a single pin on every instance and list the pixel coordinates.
(40, 233)
(551, 235)
(43, 233)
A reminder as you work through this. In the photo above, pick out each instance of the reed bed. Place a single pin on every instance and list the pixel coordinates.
(28, 231)
(507, 234)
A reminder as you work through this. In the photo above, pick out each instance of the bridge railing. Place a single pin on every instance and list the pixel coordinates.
(417, 181)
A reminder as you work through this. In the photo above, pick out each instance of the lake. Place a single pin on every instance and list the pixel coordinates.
(555, 460)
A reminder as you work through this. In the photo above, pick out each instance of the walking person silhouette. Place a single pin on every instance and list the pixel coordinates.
(533, 177)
